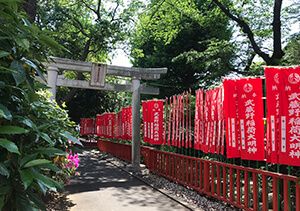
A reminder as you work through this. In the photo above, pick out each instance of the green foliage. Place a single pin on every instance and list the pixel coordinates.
(292, 51)
(189, 37)
(89, 30)
(258, 15)
(32, 128)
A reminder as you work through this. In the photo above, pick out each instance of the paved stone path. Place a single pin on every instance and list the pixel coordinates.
(104, 187)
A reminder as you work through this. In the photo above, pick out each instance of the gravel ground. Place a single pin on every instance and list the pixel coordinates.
(184, 195)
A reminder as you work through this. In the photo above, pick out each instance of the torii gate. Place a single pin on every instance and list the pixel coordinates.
(97, 82)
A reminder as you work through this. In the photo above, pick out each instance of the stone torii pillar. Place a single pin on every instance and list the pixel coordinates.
(136, 122)
(52, 73)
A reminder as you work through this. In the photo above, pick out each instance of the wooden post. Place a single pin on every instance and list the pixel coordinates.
(52, 73)
(136, 122)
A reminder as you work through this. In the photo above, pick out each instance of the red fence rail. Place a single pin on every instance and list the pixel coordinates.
(242, 187)
(122, 151)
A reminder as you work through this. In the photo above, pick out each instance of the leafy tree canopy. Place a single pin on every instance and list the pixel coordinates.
(189, 37)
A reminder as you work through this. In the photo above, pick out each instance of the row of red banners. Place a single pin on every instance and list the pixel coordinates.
(209, 121)
(87, 126)
(115, 125)
(283, 115)
(178, 121)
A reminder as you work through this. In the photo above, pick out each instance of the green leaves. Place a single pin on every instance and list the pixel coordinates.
(19, 73)
(46, 138)
(3, 54)
(27, 177)
(4, 112)
(50, 151)
(46, 182)
(71, 138)
(1, 201)
(3, 170)
(35, 67)
(9, 146)
(11, 130)
(29, 123)
(36, 162)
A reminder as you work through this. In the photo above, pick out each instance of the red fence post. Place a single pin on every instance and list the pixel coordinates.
(231, 184)
(246, 190)
(298, 195)
(255, 191)
(238, 186)
(286, 194)
(275, 193)
(206, 177)
(224, 183)
(218, 181)
(264, 194)
(212, 179)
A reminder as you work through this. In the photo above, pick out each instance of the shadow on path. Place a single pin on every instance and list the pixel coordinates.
(103, 186)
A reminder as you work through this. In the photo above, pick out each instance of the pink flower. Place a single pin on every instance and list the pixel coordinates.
(72, 161)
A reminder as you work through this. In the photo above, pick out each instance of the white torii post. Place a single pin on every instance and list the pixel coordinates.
(52, 73)
(136, 122)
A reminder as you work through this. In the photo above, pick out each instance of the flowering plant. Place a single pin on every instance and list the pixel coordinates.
(71, 163)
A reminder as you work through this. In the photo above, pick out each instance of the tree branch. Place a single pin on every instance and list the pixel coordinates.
(246, 29)
(96, 11)
(249, 61)
(76, 23)
(114, 12)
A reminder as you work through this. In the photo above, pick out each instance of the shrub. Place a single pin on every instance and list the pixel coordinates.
(33, 129)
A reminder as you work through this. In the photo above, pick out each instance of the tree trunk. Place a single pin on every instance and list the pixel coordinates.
(30, 7)
(277, 53)
(277, 48)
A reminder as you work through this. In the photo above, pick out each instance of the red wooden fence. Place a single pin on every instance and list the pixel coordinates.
(242, 187)
(122, 151)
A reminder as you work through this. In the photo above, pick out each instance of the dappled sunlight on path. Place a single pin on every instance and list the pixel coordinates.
(103, 186)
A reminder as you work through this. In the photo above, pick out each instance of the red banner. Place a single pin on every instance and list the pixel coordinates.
(207, 123)
(189, 119)
(250, 115)
(274, 87)
(221, 124)
(153, 111)
(176, 138)
(158, 118)
(110, 125)
(231, 117)
(99, 125)
(217, 119)
(289, 153)
(87, 126)
(199, 120)
(118, 126)
(173, 122)
(126, 123)
(145, 120)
